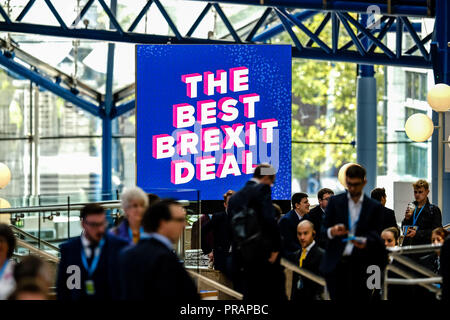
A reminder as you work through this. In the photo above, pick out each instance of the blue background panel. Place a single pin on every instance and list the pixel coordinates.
(159, 87)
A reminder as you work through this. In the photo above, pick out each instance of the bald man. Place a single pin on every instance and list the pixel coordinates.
(309, 258)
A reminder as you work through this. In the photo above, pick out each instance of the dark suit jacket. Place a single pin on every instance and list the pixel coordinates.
(258, 196)
(310, 290)
(389, 218)
(105, 276)
(316, 216)
(429, 219)
(207, 240)
(150, 271)
(219, 226)
(288, 230)
(369, 225)
(445, 270)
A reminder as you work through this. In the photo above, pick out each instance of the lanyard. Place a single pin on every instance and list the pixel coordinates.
(414, 215)
(350, 226)
(130, 233)
(90, 270)
(2, 270)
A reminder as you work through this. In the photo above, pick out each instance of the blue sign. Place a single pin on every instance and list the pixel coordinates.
(206, 115)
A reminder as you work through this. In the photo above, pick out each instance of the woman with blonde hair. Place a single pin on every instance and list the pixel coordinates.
(134, 204)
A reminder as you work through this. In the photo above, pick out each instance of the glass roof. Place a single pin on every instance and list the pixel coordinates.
(87, 59)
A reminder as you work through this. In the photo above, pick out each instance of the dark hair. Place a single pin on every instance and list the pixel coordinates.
(323, 192)
(440, 232)
(378, 194)
(91, 208)
(157, 212)
(28, 285)
(28, 267)
(152, 198)
(278, 211)
(297, 198)
(356, 171)
(263, 170)
(8, 235)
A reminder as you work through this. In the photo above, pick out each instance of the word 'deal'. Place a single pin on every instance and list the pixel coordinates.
(221, 134)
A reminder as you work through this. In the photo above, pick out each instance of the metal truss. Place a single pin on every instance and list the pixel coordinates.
(316, 47)
(334, 12)
(367, 44)
(62, 84)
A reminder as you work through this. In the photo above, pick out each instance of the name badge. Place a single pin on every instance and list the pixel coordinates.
(300, 283)
(90, 289)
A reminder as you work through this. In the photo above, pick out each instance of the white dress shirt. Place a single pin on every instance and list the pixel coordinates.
(354, 211)
(298, 215)
(87, 251)
(308, 248)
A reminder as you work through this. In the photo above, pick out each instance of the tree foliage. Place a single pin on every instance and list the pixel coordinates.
(324, 108)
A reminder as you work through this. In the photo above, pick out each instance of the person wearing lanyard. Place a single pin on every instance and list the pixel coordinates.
(425, 218)
(7, 245)
(134, 203)
(88, 267)
(353, 224)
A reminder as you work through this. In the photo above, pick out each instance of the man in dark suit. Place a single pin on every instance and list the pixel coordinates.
(219, 226)
(353, 224)
(379, 194)
(289, 222)
(151, 270)
(426, 216)
(95, 253)
(260, 279)
(317, 215)
(309, 258)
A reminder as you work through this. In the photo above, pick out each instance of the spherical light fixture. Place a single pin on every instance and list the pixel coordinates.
(439, 97)
(419, 127)
(342, 171)
(5, 218)
(5, 175)
(4, 204)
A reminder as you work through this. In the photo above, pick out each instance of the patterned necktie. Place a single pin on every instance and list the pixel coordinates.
(302, 257)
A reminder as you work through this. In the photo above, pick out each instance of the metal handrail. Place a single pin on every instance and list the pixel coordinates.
(421, 282)
(307, 274)
(422, 248)
(216, 285)
(413, 265)
(42, 253)
(114, 204)
(303, 272)
(396, 254)
(24, 233)
(415, 281)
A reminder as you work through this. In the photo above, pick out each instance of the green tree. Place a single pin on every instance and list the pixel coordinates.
(323, 110)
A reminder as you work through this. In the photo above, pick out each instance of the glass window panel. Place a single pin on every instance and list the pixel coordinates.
(423, 87)
(58, 117)
(124, 160)
(126, 124)
(14, 106)
(72, 166)
(16, 155)
(316, 166)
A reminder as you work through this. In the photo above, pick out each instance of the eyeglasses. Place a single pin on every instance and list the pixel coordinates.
(96, 224)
